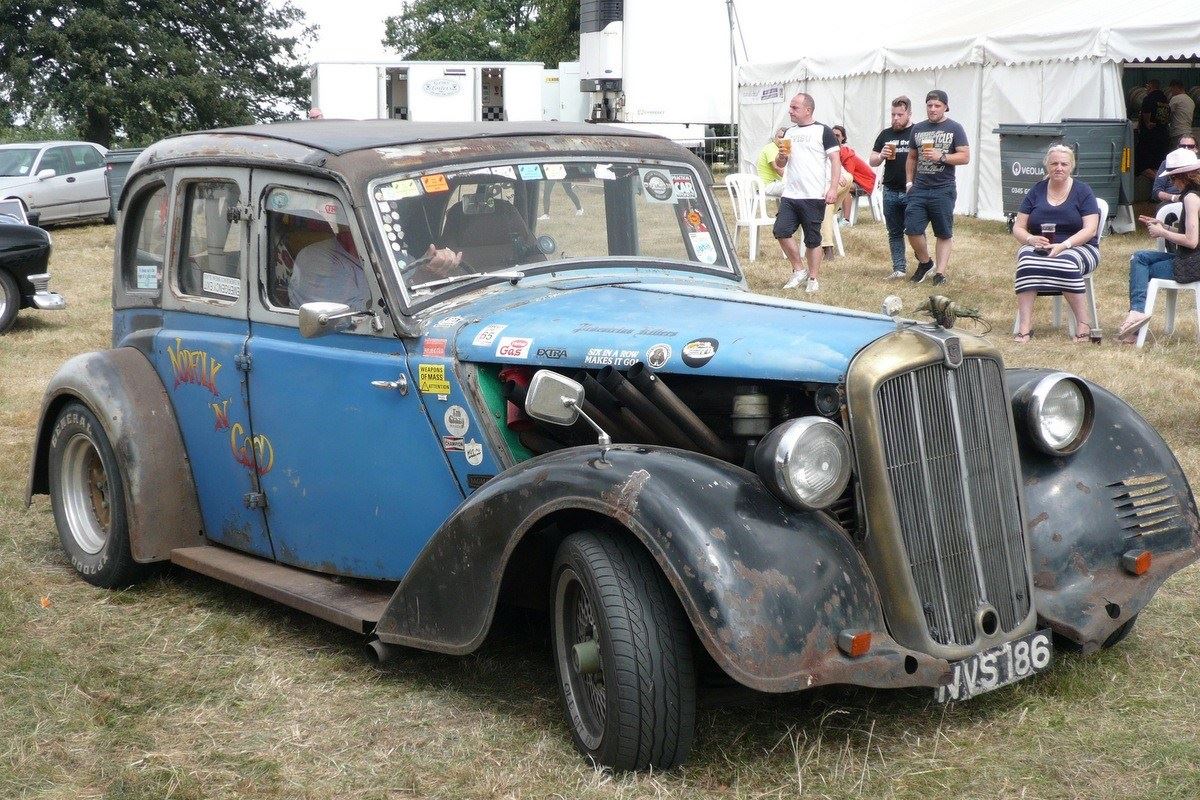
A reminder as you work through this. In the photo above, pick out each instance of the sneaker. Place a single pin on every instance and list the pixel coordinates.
(940, 280)
(844, 223)
(921, 271)
(547, 216)
(796, 279)
(897, 275)
(812, 287)
(579, 212)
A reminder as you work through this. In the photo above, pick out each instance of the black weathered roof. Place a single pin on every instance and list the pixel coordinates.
(340, 136)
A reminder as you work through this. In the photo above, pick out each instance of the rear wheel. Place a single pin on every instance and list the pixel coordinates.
(10, 301)
(87, 490)
(622, 651)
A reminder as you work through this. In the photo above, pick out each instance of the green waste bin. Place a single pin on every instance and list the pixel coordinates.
(117, 164)
(1103, 158)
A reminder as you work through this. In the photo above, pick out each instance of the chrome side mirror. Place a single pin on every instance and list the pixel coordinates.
(553, 398)
(319, 318)
(558, 400)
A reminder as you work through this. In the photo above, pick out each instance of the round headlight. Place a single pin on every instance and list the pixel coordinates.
(805, 461)
(1058, 413)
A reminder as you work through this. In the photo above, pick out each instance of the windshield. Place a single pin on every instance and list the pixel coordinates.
(16, 161)
(525, 214)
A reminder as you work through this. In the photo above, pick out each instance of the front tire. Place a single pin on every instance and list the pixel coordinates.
(10, 301)
(622, 653)
(87, 491)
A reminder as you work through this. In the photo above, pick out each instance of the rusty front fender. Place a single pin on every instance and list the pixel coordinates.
(125, 393)
(1122, 492)
(768, 588)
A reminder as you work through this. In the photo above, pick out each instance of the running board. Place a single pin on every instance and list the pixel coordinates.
(352, 604)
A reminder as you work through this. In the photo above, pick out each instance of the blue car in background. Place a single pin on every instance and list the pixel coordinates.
(385, 372)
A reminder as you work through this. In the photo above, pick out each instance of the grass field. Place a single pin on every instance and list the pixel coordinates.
(182, 688)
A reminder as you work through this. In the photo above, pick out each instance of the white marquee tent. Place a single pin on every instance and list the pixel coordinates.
(1014, 61)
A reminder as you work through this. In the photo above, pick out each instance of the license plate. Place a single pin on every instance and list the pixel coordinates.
(998, 666)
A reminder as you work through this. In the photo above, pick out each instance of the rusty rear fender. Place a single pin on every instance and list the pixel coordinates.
(1121, 492)
(122, 389)
(768, 588)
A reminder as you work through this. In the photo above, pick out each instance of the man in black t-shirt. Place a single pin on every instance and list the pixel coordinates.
(891, 149)
(1153, 134)
(937, 145)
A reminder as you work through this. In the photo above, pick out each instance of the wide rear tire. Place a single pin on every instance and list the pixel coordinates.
(87, 491)
(622, 652)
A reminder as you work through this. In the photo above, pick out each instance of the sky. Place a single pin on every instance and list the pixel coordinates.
(350, 29)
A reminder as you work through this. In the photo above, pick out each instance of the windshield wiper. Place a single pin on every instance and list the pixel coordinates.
(511, 274)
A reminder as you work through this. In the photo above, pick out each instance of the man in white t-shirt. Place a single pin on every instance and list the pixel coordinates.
(812, 170)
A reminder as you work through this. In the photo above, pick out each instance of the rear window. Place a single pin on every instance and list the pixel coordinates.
(144, 242)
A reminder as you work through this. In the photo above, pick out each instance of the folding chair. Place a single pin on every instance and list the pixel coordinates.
(749, 197)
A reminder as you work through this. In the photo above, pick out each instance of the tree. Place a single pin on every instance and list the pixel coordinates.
(149, 68)
(486, 30)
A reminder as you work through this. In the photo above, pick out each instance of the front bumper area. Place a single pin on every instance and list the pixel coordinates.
(44, 299)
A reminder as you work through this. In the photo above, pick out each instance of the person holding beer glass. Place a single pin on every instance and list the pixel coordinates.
(1058, 229)
(891, 150)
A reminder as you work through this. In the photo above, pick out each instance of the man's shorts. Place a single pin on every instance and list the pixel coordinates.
(931, 207)
(806, 214)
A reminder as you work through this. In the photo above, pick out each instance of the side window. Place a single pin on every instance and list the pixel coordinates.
(311, 253)
(57, 159)
(86, 157)
(144, 242)
(210, 257)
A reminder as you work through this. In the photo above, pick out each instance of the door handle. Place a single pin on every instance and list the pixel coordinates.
(399, 385)
(70, 180)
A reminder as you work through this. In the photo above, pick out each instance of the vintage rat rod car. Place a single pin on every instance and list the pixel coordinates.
(360, 368)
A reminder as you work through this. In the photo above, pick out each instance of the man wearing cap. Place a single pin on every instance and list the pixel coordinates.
(936, 146)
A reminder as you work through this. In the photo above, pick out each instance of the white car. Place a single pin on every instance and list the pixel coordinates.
(60, 181)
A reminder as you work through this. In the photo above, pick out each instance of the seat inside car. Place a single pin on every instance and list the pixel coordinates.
(490, 232)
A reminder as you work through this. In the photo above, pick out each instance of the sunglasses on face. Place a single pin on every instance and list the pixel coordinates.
(1188, 146)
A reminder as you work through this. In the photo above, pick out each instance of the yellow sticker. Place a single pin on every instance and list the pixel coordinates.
(404, 188)
(435, 183)
(431, 378)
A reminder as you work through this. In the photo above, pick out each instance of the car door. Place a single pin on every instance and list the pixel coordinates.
(91, 180)
(56, 198)
(358, 480)
(200, 353)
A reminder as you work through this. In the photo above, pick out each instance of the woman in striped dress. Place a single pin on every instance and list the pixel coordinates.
(1058, 227)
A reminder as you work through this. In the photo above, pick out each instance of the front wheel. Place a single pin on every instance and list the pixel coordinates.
(10, 300)
(622, 652)
(87, 490)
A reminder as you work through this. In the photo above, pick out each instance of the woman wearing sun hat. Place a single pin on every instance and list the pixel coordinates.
(1183, 167)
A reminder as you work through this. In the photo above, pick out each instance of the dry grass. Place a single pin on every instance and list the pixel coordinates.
(182, 688)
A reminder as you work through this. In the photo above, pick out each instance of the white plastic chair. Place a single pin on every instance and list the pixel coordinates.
(1089, 290)
(1167, 210)
(1170, 290)
(749, 197)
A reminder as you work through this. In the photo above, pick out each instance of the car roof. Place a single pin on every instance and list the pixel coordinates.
(341, 136)
(54, 143)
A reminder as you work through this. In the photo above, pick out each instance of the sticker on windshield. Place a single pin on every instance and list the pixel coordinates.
(657, 184)
(147, 276)
(685, 189)
(530, 172)
(222, 285)
(278, 200)
(505, 172)
(702, 244)
(409, 187)
(435, 183)
(555, 172)
(695, 221)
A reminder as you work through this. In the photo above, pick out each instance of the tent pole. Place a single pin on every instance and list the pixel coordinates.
(978, 140)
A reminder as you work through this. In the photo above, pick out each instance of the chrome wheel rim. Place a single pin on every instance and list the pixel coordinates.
(585, 693)
(86, 494)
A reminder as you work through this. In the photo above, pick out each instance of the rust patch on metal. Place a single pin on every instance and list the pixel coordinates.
(1083, 487)
(1038, 520)
(623, 500)
(718, 534)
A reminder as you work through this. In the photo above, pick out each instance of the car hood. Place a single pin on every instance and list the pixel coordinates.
(684, 328)
(16, 181)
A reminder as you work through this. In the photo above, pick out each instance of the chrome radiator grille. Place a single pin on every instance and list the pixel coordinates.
(950, 466)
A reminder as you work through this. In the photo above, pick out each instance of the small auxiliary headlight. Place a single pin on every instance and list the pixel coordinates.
(1057, 411)
(805, 461)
